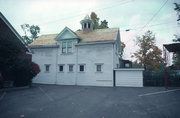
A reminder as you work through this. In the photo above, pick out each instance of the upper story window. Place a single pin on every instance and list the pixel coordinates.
(69, 46)
(66, 46)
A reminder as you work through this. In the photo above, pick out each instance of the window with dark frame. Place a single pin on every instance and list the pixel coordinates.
(81, 68)
(47, 68)
(98, 68)
(70, 68)
(61, 68)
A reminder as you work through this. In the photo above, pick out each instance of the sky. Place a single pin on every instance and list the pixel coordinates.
(137, 15)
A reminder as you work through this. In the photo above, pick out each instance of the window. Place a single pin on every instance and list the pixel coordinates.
(70, 68)
(47, 67)
(61, 68)
(69, 46)
(89, 25)
(84, 25)
(63, 47)
(66, 46)
(98, 68)
(81, 68)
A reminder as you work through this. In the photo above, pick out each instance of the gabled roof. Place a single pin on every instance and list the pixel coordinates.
(67, 31)
(14, 31)
(99, 35)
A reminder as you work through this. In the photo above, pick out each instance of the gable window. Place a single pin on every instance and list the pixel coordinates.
(47, 67)
(63, 47)
(70, 68)
(69, 46)
(61, 68)
(81, 67)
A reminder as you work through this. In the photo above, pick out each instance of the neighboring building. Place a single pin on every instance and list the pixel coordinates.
(8, 33)
(10, 37)
(85, 57)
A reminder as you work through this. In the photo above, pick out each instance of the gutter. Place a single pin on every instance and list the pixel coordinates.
(95, 43)
(44, 46)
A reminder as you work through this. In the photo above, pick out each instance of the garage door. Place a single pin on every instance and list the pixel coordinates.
(129, 77)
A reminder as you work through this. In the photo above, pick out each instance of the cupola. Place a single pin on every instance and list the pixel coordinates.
(87, 23)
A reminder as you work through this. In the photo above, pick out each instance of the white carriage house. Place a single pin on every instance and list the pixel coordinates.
(86, 57)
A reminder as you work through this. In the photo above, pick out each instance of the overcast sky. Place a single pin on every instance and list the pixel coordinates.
(138, 15)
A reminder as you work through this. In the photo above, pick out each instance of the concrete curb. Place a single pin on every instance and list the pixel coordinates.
(14, 88)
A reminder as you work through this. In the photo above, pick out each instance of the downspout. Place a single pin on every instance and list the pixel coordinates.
(56, 66)
(114, 79)
(76, 64)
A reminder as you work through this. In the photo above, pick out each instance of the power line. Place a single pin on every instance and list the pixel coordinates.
(153, 25)
(73, 16)
(151, 18)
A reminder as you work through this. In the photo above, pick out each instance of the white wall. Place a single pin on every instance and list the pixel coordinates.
(90, 55)
(66, 77)
(129, 77)
(43, 56)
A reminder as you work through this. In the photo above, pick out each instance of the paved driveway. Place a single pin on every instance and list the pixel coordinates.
(51, 101)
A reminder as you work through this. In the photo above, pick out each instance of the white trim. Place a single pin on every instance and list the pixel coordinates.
(96, 43)
(132, 69)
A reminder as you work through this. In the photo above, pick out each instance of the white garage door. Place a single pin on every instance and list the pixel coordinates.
(129, 77)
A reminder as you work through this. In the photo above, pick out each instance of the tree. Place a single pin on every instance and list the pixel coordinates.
(122, 49)
(177, 9)
(15, 65)
(104, 24)
(176, 56)
(34, 30)
(95, 20)
(96, 25)
(149, 55)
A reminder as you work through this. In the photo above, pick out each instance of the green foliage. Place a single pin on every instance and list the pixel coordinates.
(15, 65)
(34, 30)
(96, 25)
(176, 59)
(177, 9)
(177, 38)
(103, 25)
(149, 55)
(95, 20)
(122, 48)
(135, 64)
